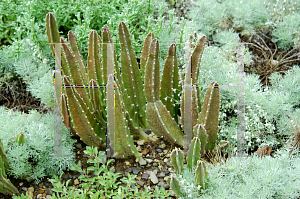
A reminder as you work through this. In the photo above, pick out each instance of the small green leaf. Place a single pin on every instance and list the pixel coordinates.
(56, 190)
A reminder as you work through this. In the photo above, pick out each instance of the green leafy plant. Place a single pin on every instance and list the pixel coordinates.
(103, 183)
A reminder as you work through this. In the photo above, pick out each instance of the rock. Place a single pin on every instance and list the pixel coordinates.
(30, 191)
(78, 146)
(76, 182)
(149, 161)
(141, 183)
(153, 178)
(135, 171)
(166, 178)
(145, 152)
(142, 161)
(159, 150)
(129, 170)
(138, 148)
(162, 146)
(161, 180)
(161, 175)
(48, 191)
(155, 172)
(155, 164)
(166, 186)
(40, 191)
(160, 184)
(141, 142)
(145, 176)
(127, 163)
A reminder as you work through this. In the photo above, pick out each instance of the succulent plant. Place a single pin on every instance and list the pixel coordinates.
(144, 101)
(20, 139)
(193, 162)
(177, 160)
(84, 104)
(160, 105)
(174, 184)
(6, 187)
(193, 159)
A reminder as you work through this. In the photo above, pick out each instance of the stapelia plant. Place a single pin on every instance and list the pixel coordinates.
(83, 104)
(6, 187)
(161, 112)
(143, 100)
(193, 161)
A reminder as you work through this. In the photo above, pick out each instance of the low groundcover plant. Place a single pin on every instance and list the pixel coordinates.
(103, 183)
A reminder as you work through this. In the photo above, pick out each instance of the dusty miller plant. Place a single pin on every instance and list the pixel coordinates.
(29, 161)
(287, 31)
(255, 177)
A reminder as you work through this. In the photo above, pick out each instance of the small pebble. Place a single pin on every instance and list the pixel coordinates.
(145, 176)
(162, 146)
(78, 145)
(161, 175)
(153, 177)
(149, 161)
(135, 172)
(141, 183)
(140, 142)
(159, 150)
(129, 170)
(166, 186)
(142, 161)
